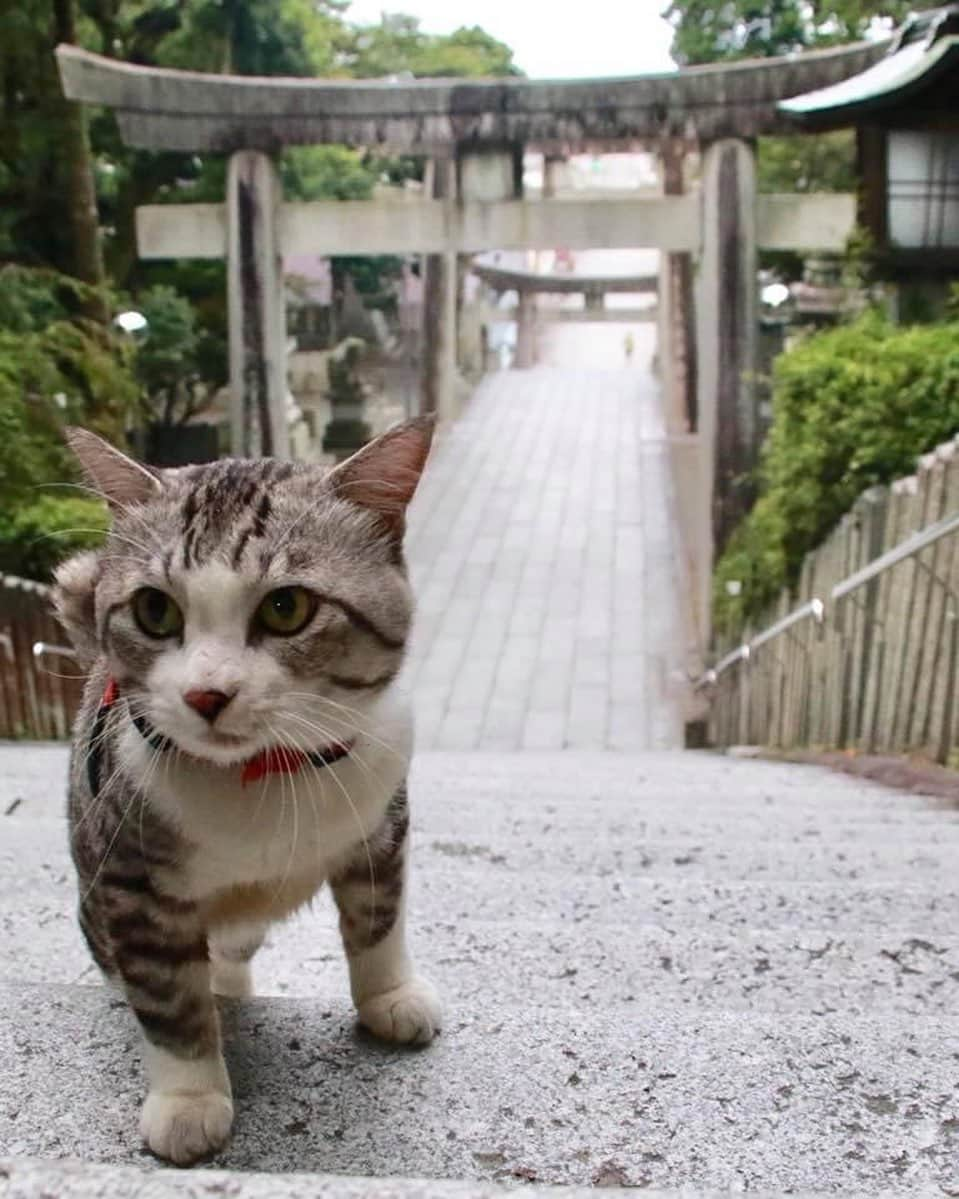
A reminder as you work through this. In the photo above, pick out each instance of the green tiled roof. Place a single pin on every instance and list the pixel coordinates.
(926, 48)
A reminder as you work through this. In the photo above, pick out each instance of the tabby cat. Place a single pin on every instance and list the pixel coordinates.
(242, 740)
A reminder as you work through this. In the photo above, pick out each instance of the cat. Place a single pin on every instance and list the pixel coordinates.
(241, 741)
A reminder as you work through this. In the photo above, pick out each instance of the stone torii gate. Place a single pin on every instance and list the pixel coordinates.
(528, 285)
(473, 134)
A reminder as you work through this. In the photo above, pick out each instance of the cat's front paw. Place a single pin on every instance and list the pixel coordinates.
(408, 1015)
(185, 1126)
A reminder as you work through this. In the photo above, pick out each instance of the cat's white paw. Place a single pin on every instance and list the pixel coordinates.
(185, 1126)
(232, 980)
(409, 1014)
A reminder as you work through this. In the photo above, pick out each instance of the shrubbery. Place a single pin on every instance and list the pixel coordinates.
(852, 407)
(56, 368)
(37, 534)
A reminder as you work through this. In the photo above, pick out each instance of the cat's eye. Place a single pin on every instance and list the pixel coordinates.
(156, 613)
(286, 610)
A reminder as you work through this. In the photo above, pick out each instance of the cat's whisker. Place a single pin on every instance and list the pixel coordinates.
(164, 859)
(259, 803)
(111, 533)
(114, 717)
(94, 744)
(358, 719)
(138, 790)
(58, 674)
(352, 752)
(296, 823)
(358, 820)
(111, 501)
(288, 532)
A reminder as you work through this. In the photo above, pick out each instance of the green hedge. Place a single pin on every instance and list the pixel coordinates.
(852, 407)
(34, 537)
(56, 368)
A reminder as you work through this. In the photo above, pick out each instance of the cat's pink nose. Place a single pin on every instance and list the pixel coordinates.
(208, 703)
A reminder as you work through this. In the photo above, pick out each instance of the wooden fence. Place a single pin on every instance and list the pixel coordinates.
(40, 683)
(864, 656)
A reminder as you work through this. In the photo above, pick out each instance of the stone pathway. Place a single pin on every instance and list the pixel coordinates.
(668, 971)
(544, 555)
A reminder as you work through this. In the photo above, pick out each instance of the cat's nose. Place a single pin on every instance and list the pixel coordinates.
(208, 703)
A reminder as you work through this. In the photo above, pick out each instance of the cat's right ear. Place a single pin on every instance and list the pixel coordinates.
(119, 479)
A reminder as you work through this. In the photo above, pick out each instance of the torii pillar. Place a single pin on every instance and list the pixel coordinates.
(475, 175)
(727, 318)
(256, 306)
(677, 332)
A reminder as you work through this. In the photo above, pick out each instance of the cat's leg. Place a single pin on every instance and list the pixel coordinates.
(392, 1000)
(231, 950)
(160, 951)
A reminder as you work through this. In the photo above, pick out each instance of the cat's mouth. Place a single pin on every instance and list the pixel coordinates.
(220, 748)
(226, 749)
(215, 737)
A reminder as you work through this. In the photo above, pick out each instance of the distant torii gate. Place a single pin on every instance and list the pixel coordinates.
(474, 134)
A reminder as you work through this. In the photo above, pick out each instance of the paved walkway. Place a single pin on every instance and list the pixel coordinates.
(668, 971)
(544, 555)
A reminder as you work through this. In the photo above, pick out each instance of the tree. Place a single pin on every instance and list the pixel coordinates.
(46, 182)
(707, 31)
(399, 46)
(326, 173)
(57, 367)
(169, 361)
(808, 162)
(80, 190)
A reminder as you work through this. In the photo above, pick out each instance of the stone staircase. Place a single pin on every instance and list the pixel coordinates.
(670, 971)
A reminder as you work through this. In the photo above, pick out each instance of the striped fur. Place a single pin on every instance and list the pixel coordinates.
(181, 866)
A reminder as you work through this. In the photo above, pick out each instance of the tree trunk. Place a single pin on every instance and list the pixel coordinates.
(77, 174)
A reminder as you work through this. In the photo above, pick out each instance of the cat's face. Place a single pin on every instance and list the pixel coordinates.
(248, 604)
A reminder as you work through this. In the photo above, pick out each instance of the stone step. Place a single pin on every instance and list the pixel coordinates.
(548, 845)
(26, 1178)
(663, 970)
(650, 786)
(603, 966)
(464, 907)
(656, 1097)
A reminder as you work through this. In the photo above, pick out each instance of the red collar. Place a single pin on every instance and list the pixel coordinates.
(290, 761)
(279, 760)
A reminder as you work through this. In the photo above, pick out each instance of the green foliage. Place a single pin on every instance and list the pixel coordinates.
(56, 368)
(852, 407)
(371, 273)
(821, 162)
(170, 361)
(326, 173)
(55, 363)
(707, 31)
(243, 37)
(399, 46)
(41, 531)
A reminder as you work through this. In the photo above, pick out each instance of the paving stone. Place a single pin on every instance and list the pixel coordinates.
(666, 1097)
(533, 521)
(27, 1179)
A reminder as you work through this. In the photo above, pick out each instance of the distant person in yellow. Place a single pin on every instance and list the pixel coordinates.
(629, 345)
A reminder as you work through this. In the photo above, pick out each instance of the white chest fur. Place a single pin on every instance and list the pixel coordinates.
(280, 827)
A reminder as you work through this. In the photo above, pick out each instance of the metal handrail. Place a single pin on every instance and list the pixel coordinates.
(816, 608)
(905, 549)
(43, 649)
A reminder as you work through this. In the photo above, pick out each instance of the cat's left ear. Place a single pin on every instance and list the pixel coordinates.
(119, 479)
(383, 475)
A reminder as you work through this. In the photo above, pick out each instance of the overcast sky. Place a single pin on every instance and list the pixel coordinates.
(550, 39)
